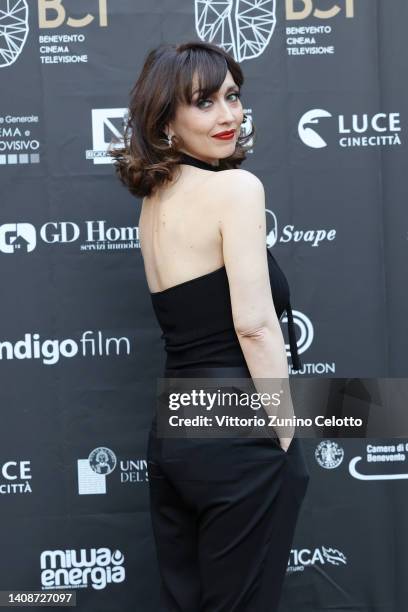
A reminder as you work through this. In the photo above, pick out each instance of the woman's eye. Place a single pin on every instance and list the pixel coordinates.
(199, 103)
(234, 93)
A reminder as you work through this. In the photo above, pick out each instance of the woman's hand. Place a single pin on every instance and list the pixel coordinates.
(285, 443)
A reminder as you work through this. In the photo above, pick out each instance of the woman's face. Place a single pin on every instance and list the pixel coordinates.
(198, 123)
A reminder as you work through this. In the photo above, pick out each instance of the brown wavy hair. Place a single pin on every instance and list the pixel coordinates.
(144, 160)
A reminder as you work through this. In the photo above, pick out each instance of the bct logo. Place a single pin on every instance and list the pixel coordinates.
(306, 8)
(53, 14)
(307, 134)
(13, 30)
(17, 237)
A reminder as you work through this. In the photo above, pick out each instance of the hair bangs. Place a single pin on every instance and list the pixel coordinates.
(203, 72)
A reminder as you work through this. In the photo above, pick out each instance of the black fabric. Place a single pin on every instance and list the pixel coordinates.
(196, 320)
(198, 163)
(224, 513)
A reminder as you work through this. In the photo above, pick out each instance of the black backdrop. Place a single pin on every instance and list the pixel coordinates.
(79, 347)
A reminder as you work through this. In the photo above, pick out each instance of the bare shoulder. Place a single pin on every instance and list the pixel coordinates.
(238, 178)
(237, 191)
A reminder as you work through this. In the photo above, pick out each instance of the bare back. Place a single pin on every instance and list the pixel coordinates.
(179, 230)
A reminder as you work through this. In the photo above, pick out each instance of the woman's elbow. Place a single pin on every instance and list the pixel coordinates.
(258, 331)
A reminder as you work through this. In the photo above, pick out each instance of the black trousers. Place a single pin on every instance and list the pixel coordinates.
(223, 513)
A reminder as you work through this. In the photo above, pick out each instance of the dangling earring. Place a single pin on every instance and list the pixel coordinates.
(246, 126)
(169, 140)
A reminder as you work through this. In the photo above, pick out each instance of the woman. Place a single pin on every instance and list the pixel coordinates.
(223, 509)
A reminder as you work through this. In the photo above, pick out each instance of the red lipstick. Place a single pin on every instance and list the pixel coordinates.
(225, 135)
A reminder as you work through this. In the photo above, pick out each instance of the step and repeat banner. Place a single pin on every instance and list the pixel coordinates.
(80, 349)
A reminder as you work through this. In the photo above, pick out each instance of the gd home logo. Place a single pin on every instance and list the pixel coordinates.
(17, 237)
(243, 28)
(13, 30)
(96, 236)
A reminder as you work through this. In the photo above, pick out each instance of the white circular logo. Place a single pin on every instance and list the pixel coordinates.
(329, 454)
(102, 460)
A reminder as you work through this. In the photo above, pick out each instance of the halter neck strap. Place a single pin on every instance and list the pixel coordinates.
(198, 163)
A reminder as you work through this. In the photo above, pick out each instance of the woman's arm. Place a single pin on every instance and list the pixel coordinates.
(242, 224)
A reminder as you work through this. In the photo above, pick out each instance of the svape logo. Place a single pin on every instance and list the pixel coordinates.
(311, 237)
(310, 8)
